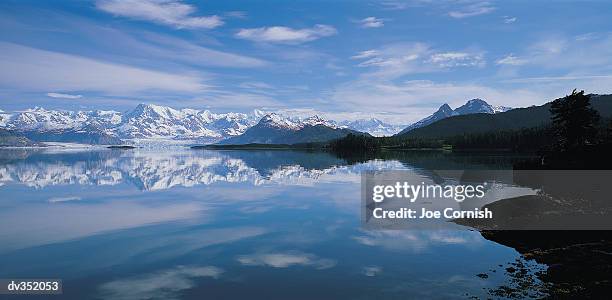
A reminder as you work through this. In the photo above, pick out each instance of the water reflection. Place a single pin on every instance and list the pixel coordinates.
(186, 224)
(149, 170)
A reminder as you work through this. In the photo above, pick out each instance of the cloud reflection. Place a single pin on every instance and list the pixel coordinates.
(285, 260)
(166, 284)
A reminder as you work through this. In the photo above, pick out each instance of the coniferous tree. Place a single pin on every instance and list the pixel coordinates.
(574, 121)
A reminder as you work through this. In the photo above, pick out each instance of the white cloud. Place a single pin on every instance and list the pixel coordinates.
(366, 54)
(281, 34)
(64, 96)
(165, 284)
(255, 85)
(558, 52)
(457, 59)
(34, 70)
(412, 100)
(168, 12)
(560, 78)
(238, 14)
(63, 199)
(404, 4)
(392, 61)
(172, 48)
(372, 22)
(509, 20)
(473, 9)
(511, 60)
(285, 260)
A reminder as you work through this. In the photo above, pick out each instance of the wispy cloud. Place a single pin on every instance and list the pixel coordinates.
(511, 60)
(172, 48)
(238, 14)
(457, 59)
(64, 96)
(64, 199)
(21, 67)
(472, 9)
(396, 60)
(413, 99)
(558, 78)
(509, 20)
(371, 22)
(281, 34)
(168, 12)
(403, 4)
(255, 85)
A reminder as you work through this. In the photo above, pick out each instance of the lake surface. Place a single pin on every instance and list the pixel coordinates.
(199, 224)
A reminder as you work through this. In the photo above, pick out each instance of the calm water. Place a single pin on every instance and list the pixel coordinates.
(182, 224)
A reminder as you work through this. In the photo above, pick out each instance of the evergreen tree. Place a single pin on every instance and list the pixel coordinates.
(574, 121)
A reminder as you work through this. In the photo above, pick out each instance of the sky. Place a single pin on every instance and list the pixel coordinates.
(397, 60)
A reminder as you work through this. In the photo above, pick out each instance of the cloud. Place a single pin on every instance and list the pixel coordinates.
(511, 60)
(396, 60)
(411, 100)
(372, 22)
(165, 284)
(281, 34)
(561, 53)
(457, 59)
(509, 20)
(34, 70)
(64, 96)
(167, 12)
(475, 8)
(255, 85)
(366, 54)
(63, 199)
(238, 14)
(285, 260)
(171, 48)
(559, 78)
(403, 4)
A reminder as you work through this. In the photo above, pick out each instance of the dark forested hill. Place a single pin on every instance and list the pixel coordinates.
(516, 119)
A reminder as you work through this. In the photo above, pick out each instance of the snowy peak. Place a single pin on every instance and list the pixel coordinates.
(372, 126)
(445, 109)
(317, 120)
(474, 106)
(282, 122)
(500, 109)
(277, 121)
(154, 111)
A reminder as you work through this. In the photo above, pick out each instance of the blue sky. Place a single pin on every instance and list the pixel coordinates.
(392, 59)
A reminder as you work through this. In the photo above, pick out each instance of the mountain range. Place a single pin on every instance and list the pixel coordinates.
(149, 123)
(155, 123)
(275, 129)
(474, 106)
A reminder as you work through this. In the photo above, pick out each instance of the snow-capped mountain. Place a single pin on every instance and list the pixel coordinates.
(473, 106)
(149, 123)
(276, 129)
(372, 126)
(145, 122)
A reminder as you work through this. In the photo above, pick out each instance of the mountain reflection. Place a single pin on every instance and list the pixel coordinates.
(157, 170)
